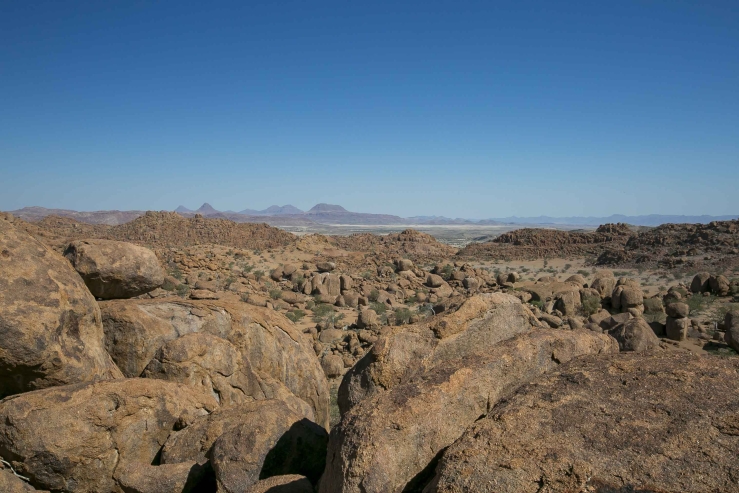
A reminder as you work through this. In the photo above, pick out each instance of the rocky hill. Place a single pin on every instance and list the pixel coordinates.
(536, 243)
(409, 243)
(673, 245)
(164, 229)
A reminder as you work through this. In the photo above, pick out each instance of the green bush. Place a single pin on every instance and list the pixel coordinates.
(182, 290)
(402, 316)
(275, 294)
(446, 271)
(590, 304)
(379, 308)
(295, 315)
(537, 303)
(698, 302)
(258, 274)
(374, 294)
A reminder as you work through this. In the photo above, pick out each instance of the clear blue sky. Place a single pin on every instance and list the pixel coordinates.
(463, 109)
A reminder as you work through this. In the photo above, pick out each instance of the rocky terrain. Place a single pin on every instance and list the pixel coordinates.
(188, 354)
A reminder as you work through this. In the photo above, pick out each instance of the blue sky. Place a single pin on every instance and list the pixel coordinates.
(463, 109)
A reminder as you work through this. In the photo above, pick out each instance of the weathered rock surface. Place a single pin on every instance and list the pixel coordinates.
(635, 335)
(731, 324)
(50, 331)
(184, 477)
(387, 442)
(75, 438)
(10, 483)
(252, 441)
(289, 483)
(115, 269)
(481, 321)
(136, 329)
(624, 423)
(213, 366)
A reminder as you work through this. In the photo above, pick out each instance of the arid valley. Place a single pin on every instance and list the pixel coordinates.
(172, 353)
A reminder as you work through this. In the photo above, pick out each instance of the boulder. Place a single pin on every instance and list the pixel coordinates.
(471, 283)
(115, 269)
(388, 441)
(720, 285)
(635, 335)
(677, 310)
(252, 441)
(700, 283)
(619, 423)
(403, 265)
(184, 477)
(136, 329)
(325, 266)
(481, 321)
(333, 365)
(215, 367)
(576, 279)
(731, 325)
(367, 319)
(677, 328)
(604, 286)
(289, 483)
(434, 281)
(50, 330)
(568, 302)
(346, 282)
(75, 437)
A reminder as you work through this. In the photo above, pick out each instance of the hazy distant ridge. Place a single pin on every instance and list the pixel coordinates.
(289, 215)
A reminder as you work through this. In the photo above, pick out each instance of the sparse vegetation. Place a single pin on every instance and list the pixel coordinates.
(295, 315)
(402, 316)
(275, 294)
(379, 308)
(590, 304)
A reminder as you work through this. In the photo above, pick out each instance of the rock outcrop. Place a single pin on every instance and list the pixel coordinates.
(50, 330)
(115, 269)
(481, 321)
(77, 437)
(621, 423)
(388, 441)
(136, 329)
(252, 441)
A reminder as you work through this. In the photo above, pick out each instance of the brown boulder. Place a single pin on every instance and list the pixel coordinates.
(619, 423)
(720, 285)
(115, 269)
(731, 325)
(434, 281)
(333, 365)
(635, 335)
(700, 283)
(73, 438)
(677, 310)
(136, 329)
(481, 321)
(215, 367)
(271, 437)
(604, 286)
(50, 331)
(391, 437)
(677, 328)
(290, 483)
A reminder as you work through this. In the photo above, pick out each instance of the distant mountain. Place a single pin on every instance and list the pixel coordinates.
(274, 210)
(646, 220)
(111, 218)
(207, 210)
(182, 208)
(324, 208)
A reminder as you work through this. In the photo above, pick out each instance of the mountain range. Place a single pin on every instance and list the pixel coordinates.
(331, 214)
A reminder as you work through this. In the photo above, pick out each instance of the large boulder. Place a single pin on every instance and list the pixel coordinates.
(115, 269)
(635, 335)
(75, 438)
(213, 366)
(731, 325)
(252, 441)
(667, 422)
(700, 283)
(136, 329)
(481, 321)
(720, 285)
(388, 441)
(50, 331)
(289, 483)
